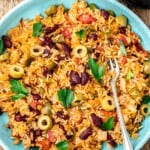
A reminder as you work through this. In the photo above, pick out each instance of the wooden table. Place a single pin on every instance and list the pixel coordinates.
(144, 14)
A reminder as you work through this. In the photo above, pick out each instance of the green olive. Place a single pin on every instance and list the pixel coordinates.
(79, 51)
(47, 109)
(121, 20)
(4, 57)
(44, 122)
(29, 61)
(135, 93)
(51, 10)
(108, 104)
(147, 67)
(37, 50)
(111, 12)
(16, 71)
(92, 6)
(79, 99)
(51, 65)
(145, 110)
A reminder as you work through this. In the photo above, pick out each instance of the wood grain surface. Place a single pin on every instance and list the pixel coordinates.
(144, 14)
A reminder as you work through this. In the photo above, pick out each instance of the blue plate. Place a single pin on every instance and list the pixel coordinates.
(30, 8)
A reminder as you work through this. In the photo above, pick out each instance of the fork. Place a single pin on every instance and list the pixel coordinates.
(126, 141)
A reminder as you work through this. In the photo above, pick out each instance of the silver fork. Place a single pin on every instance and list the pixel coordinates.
(126, 141)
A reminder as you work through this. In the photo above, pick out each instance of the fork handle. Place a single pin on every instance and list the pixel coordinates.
(126, 141)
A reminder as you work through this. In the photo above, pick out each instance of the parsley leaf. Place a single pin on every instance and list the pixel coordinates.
(63, 145)
(81, 33)
(108, 125)
(1, 46)
(66, 97)
(18, 89)
(17, 96)
(146, 99)
(122, 48)
(97, 71)
(37, 29)
(129, 75)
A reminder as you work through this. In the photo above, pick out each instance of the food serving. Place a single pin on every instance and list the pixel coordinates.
(55, 79)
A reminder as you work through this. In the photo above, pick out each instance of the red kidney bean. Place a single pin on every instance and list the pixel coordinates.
(139, 46)
(97, 55)
(105, 14)
(97, 121)
(47, 41)
(36, 112)
(60, 114)
(74, 78)
(47, 72)
(122, 30)
(36, 96)
(92, 36)
(67, 49)
(7, 41)
(46, 53)
(59, 58)
(38, 132)
(86, 133)
(19, 118)
(49, 30)
(111, 141)
(84, 78)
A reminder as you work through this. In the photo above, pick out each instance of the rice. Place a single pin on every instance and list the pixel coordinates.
(44, 75)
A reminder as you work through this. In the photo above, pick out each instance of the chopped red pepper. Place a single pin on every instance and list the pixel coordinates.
(124, 60)
(108, 114)
(45, 144)
(86, 18)
(52, 138)
(34, 104)
(65, 32)
(122, 38)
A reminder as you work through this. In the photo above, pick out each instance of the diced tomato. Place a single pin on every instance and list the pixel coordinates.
(86, 18)
(108, 114)
(34, 104)
(124, 60)
(45, 144)
(122, 38)
(52, 138)
(65, 32)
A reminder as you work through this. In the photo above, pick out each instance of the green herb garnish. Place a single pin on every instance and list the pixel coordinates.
(97, 71)
(37, 29)
(18, 89)
(1, 46)
(129, 75)
(108, 125)
(63, 145)
(122, 48)
(66, 97)
(81, 33)
(146, 99)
